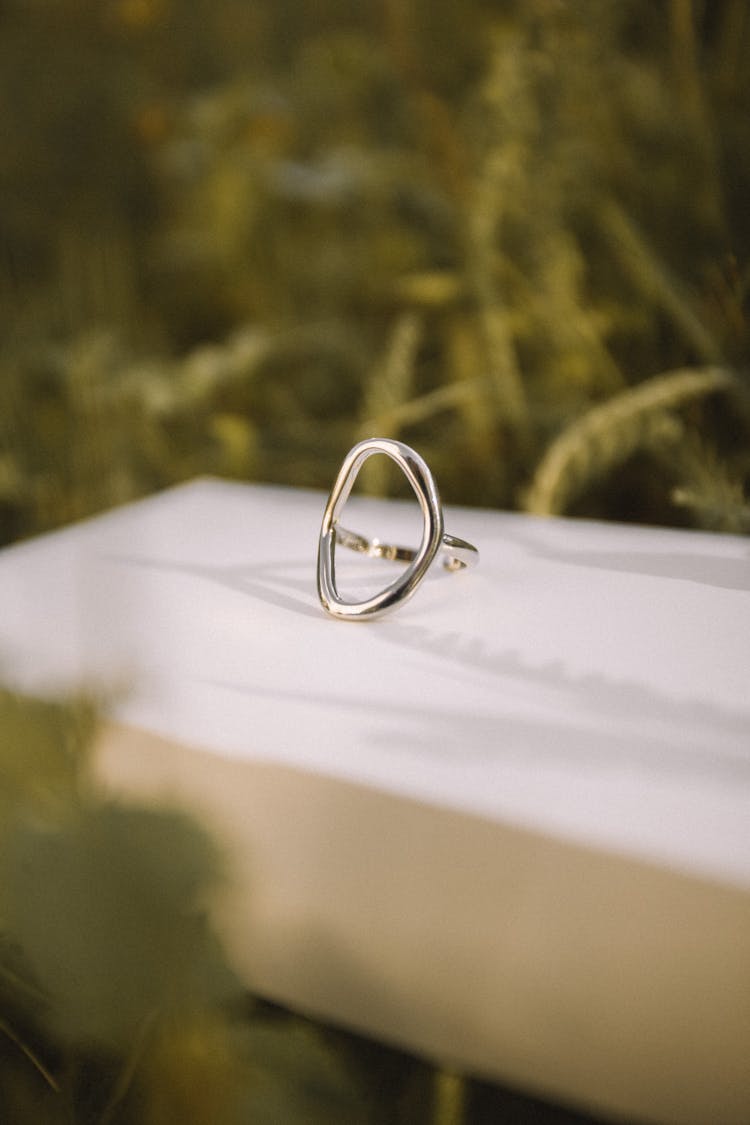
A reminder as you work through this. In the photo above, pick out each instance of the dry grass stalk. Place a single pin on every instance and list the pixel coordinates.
(388, 392)
(508, 105)
(654, 279)
(607, 434)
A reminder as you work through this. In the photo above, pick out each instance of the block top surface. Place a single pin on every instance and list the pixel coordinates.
(589, 681)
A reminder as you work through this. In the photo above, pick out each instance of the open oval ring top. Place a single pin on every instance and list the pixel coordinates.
(456, 553)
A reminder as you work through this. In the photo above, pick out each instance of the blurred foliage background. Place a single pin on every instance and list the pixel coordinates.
(237, 235)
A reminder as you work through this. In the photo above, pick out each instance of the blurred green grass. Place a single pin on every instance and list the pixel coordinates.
(239, 236)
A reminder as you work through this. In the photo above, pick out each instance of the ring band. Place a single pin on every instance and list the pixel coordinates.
(457, 553)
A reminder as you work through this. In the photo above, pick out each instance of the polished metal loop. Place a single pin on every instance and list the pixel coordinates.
(456, 553)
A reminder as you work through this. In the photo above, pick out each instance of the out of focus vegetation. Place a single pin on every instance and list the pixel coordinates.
(116, 1004)
(237, 236)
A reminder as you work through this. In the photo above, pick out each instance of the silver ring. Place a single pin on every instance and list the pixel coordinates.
(456, 553)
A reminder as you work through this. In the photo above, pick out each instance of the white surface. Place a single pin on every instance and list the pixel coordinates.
(586, 680)
(507, 826)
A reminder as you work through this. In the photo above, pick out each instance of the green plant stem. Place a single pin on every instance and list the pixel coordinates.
(35, 1061)
(447, 397)
(639, 259)
(129, 1067)
(449, 1102)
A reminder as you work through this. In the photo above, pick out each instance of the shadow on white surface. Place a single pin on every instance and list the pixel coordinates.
(603, 720)
(470, 737)
(708, 570)
(271, 582)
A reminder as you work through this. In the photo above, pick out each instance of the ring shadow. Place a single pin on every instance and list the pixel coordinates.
(607, 716)
(259, 581)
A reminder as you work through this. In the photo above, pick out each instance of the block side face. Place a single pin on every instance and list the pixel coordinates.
(609, 983)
